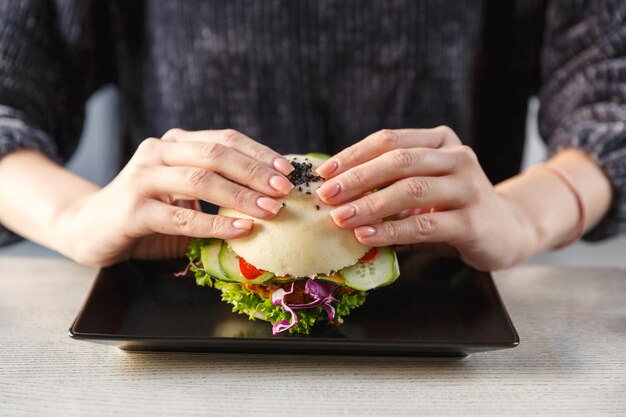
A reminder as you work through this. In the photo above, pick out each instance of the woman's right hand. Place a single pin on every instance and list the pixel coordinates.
(136, 216)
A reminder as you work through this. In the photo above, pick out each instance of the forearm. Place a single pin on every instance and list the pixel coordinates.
(34, 191)
(550, 206)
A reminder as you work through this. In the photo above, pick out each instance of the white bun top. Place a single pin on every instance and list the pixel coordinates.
(302, 240)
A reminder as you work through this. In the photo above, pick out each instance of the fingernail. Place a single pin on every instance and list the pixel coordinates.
(328, 190)
(283, 166)
(342, 213)
(268, 204)
(243, 224)
(281, 184)
(327, 168)
(365, 231)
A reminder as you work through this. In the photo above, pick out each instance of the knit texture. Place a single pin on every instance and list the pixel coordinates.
(320, 75)
(583, 99)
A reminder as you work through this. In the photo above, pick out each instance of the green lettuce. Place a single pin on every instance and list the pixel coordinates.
(246, 302)
(194, 254)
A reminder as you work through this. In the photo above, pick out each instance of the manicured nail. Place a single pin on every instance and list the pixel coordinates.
(243, 224)
(327, 168)
(342, 213)
(283, 166)
(268, 204)
(281, 184)
(365, 231)
(328, 189)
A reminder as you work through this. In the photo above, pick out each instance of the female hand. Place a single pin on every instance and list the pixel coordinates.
(438, 190)
(136, 214)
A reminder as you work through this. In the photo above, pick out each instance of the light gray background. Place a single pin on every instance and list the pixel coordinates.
(96, 159)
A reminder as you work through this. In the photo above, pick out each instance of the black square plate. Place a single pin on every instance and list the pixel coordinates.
(437, 307)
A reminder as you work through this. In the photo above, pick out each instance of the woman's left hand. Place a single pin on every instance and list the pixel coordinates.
(437, 190)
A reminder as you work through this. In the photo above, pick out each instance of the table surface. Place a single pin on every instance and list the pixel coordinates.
(571, 360)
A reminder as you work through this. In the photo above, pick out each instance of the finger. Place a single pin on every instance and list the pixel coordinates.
(227, 162)
(385, 169)
(441, 226)
(235, 140)
(384, 141)
(197, 183)
(171, 220)
(409, 193)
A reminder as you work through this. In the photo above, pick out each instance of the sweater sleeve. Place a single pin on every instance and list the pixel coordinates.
(583, 97)
(47, 70)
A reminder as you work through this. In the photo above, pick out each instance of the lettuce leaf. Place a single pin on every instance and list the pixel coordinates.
(195, 247)
(246, 302)
(194, 254)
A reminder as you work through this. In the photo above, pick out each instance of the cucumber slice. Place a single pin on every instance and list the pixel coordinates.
(334, 278)
(282, 279)
(318, 155)
(209, 254)
(378, 272)
(229, 261)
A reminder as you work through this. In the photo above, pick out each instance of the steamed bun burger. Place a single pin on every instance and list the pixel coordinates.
(298, 268)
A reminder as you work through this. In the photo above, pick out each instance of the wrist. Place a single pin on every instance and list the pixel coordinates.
(550, 205)
(548, 209)
(565, 178)
(35, 192)
(68, 226)
(529, 236)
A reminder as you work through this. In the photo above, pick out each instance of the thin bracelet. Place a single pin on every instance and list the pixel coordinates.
(582, 219)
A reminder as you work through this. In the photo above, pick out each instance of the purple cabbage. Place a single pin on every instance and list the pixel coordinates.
(278, 298)
(321, 291)
(184, 272)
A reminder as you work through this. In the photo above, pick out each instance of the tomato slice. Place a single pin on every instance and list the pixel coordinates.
(371, 254)
(249, 271)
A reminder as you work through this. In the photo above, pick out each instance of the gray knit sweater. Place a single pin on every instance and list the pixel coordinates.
(318, 75)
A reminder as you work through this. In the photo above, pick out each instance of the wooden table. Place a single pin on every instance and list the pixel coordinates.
(571, 360)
